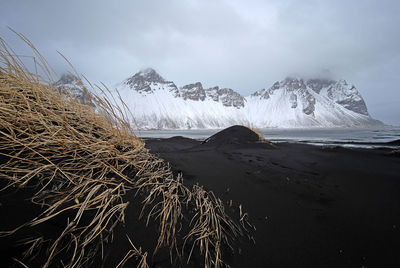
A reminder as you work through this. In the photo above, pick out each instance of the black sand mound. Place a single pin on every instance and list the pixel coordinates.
(394, 143)
(233, 135)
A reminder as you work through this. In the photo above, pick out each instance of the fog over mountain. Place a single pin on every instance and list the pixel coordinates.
(243, 45)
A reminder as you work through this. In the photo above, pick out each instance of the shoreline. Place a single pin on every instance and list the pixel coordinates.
(354, 138)
(390, 145)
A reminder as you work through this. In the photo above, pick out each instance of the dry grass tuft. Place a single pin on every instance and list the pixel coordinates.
(82, 163)
(73, 156)
(211, 227)
(135, 252)
(261, 137)
(259, 134)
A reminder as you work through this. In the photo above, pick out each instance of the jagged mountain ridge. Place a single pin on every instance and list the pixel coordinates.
(142, 82)
(293, 102)
(148, 81)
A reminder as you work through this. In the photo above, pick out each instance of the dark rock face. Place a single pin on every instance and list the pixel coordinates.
(66, 79)
(231, 98)
(318, 84)
(227, 96)
(298, 93)
(193, 92)
(355, 106)
(292, 84)
(341, 93)
(213, 93)
(308, 103)
(148, 80)
(276, 85)
(71, 86)
(258, 93)
(348, 96)
(293, 100)
(142, 81)
(265, 93)
(302, 91)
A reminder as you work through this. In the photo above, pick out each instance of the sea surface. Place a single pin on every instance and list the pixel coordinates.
(365, 138)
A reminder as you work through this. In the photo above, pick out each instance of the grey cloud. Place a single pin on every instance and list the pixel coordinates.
(245, 45)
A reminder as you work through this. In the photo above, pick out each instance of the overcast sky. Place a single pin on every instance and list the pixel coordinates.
(244, 45)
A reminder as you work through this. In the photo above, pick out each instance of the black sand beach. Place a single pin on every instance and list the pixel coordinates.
(312, 206)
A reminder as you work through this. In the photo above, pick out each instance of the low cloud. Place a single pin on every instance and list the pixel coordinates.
(243, 45)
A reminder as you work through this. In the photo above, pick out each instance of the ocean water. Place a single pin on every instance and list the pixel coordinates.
(366, 138)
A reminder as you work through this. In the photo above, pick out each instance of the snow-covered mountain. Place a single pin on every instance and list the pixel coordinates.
(159, 104)
(71, 86)
(156, 103)
(295, 102)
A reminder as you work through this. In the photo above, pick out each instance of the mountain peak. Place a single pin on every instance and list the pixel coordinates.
(148, 80)
(147, 71)
(306, 90)
(141, 80)
(71, 86)
(67, 78)
(149, 75)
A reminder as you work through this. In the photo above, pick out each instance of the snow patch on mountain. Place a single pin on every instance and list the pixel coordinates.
(156, 103)
(164, 110)
(292, 102)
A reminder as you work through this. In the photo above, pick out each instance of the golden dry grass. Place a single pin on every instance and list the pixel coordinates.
(259, 134)
(212, 227)
(81, 161)
(135, 252)
(261, 137)
(75, 157)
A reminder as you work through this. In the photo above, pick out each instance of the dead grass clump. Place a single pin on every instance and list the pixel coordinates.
(261, 137)
(135, 252)
(211, 227)
(82, 163)
(73, 156)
